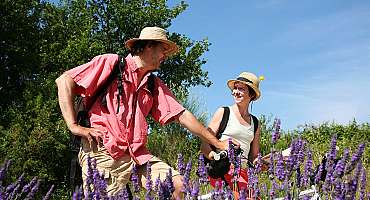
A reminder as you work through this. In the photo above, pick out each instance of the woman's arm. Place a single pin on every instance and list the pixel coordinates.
(255, 145)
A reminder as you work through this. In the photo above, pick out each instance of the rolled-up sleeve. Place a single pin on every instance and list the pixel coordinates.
(165, 106)
(91, 75)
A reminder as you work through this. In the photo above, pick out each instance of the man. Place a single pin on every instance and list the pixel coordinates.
(117, 140)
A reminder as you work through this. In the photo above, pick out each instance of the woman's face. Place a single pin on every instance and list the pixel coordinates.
(240, 92)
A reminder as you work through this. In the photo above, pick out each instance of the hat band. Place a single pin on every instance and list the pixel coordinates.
(244, 79)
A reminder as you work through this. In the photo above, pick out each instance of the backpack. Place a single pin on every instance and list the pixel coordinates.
(82, 115)
(218, 168)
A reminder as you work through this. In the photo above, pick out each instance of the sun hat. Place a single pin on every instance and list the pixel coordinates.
(249, 79)
(156, 34)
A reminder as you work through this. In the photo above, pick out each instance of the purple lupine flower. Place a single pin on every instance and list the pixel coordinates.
(125, 194)
(333, 149)
(157, 184)
(216, 191)
(301, 149)
(180, 164)
(319, 174)
(258, 165)
(169, 182)
(202, 171)
(135, 179)
(338, 189)
(229, 193)
(18, 184)
(149, 182)
(280, 169)
(307, 169)
(355, 158)
(96, 179)
(186, 179)
(273, 189)
(340, 166)
(195, 190)
(272, 163)
(33, 191)
(77, 195)
(103, 187)
(4, 169)
(231, 152)
(363, 185)
(164, 192)
(49, 193)
(27, 188)
(242, 194)
(276, 131)
(89, 179)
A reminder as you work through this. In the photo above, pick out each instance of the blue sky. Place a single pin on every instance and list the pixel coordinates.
(315, 56)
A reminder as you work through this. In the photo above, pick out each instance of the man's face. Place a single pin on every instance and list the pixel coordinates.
(158, 54)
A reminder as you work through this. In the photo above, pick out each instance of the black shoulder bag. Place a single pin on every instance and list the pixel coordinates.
(218, 168)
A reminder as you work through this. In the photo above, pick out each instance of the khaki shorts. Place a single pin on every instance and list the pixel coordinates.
(117, 173)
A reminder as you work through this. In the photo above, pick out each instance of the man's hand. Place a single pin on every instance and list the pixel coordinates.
(90, 134)
(224, 145)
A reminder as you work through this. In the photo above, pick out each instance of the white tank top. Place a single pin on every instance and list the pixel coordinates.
(244, 134)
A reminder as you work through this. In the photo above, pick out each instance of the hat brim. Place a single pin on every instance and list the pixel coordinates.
(172, 47)
(230, 84)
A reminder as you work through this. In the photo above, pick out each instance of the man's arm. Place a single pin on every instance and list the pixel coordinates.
(66, 96)
(188, 120)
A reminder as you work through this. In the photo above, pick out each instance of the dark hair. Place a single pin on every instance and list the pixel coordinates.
(251, 93)
(139, 46)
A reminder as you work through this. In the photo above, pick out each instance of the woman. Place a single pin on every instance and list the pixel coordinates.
(240, 127)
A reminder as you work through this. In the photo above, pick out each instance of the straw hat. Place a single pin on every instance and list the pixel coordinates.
(156, 34)
(249, 79)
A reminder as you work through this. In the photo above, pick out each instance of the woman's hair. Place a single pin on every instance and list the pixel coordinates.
(139, 46)
(252, 93)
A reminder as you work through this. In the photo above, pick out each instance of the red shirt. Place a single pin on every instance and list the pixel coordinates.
(122, 134)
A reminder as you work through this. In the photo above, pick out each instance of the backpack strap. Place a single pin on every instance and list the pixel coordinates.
(255, 123)
(151, 83)
(223, 124)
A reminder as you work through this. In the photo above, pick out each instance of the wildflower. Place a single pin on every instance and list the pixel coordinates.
(157, 184)
(340, 166)
(48, 194)
(280, 171)
(273, 189)
(202, 171)
(169, 182)
(258, 165)
(135, 179)
(355, 158)
(17, 186)
(319, 174)
(363, 185)
(231, 152)
(307, 169)
(276, 131)
(77, 195)
(187, 178)
(149, 183)
(242, 194)
(33, 191)
(4, 169)
(195, 190)
(180, 164)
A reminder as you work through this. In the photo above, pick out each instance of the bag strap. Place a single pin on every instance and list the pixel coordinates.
(223, 124)
(255, 123)
(117, 71)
